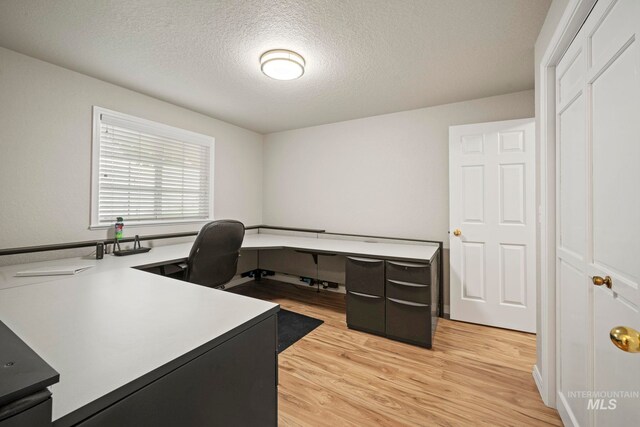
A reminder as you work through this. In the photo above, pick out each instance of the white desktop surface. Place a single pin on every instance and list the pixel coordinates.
(415, 252)
(179, 252)
(102, 331)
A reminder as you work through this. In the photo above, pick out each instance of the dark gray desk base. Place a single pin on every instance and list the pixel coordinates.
(233, 384)
(24, 378)
(36, 416)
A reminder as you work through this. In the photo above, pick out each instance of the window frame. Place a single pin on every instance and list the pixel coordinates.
(154, 128)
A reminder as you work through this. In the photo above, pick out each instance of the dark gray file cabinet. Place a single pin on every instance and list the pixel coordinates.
(365, 294)
(396, 299)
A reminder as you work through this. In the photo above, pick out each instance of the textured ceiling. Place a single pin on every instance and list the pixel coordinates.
(364, 57)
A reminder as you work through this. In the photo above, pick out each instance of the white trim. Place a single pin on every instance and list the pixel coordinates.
(565, 415)
(572, 19)
(95, 166)
(537, 378)
(154, 127)
(120, 119)
(151, 223)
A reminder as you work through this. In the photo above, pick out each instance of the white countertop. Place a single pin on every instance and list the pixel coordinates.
(179, 252)
(103, 331)
(161, 254)
(414, 251)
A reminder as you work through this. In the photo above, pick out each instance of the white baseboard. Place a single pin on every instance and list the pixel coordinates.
(537, 377)
(565, 413)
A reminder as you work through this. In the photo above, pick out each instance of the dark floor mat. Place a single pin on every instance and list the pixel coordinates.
(293, 326)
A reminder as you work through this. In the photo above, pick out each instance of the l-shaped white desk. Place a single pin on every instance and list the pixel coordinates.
(416, 251)
(112, 331)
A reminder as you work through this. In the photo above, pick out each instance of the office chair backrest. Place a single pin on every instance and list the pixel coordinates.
(213, 259)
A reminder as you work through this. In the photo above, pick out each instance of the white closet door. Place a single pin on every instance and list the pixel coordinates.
(598, 248)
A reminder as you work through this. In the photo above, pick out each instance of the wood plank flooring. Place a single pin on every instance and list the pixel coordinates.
(475, 375)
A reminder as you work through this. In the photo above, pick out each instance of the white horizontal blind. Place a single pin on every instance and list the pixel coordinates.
(151, 175)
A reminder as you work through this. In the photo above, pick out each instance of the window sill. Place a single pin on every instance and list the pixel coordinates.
(149, 223)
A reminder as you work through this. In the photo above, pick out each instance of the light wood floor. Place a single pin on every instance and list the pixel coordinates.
(475, 375)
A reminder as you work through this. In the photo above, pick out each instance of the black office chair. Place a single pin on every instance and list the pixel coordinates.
(213, 259)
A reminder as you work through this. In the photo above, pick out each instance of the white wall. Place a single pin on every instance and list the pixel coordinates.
(386, 175)
(45, 153)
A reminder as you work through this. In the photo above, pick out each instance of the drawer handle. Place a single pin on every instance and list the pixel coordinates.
(412, 304)
(370, 260)
(364, 295)
(412, 285)
(407, 264)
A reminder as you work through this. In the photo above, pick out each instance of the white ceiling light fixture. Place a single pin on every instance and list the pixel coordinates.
(282, 64)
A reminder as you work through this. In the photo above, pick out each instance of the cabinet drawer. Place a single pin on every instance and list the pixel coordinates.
(365, 275)
(365, 312)
(409, 272)
(409, 321)
(415, 292)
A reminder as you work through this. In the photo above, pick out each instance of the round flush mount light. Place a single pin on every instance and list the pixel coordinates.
(281, 64)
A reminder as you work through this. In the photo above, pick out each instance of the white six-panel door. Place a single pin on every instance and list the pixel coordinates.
(598, 217)
(492, 223)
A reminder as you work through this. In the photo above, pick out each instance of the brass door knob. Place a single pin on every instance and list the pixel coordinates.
(626, 339)
(599, 281)
(457, 232)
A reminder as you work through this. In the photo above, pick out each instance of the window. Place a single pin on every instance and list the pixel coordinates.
(148, 173)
